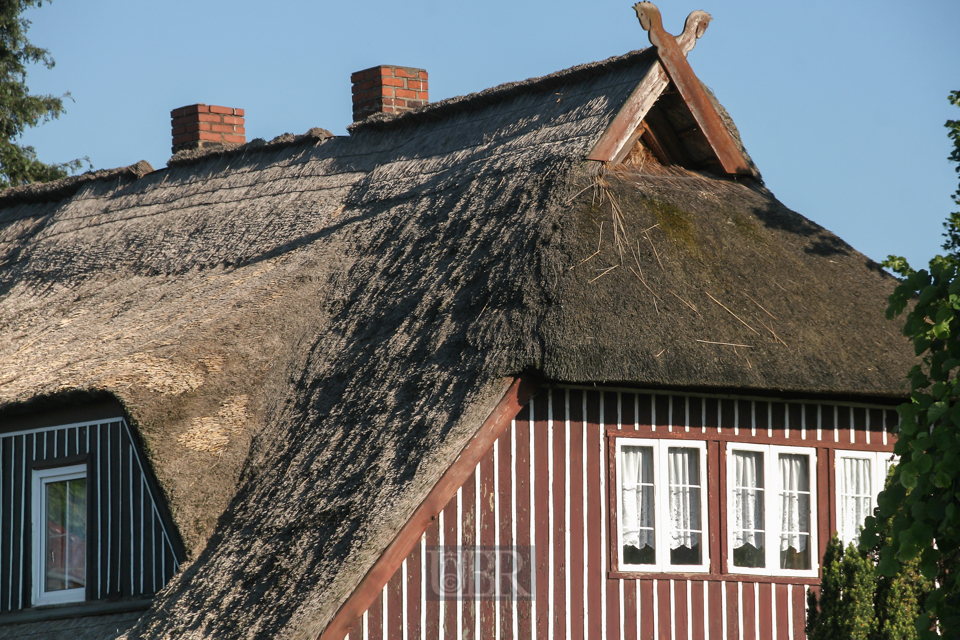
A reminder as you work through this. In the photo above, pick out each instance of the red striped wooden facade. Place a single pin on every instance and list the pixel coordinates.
(546, 482)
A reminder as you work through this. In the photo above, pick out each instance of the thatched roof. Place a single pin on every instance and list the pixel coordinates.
(307, 333)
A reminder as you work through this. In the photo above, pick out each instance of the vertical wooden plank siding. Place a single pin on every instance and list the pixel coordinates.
(576, 538)
(545, 483)
(125, 540)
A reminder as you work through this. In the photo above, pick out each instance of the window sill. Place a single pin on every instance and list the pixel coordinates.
(75, 610)
(711, 577)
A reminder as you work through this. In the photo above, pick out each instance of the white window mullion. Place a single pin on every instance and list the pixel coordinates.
(660, 497)
(772, 516)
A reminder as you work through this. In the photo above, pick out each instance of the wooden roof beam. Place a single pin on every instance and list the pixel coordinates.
(663, 137)
(674, 61)
(621, 134)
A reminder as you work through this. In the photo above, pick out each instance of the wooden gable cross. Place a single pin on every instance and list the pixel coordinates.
(672, 67)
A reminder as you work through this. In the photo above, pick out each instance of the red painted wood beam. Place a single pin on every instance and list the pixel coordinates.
(682, 75)
(393, 556)
(616, 141)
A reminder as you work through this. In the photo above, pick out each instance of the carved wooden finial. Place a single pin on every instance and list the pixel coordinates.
(693, 29)
(672, 53)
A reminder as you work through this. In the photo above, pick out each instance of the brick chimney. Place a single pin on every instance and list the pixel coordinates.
(201, 126)
(388, 89)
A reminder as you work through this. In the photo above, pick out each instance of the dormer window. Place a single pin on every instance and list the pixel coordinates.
(81, 516)
(59, 534)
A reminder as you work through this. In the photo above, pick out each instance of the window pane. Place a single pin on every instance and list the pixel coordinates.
(637, 516)
(794, 511)
(683, 478)
(856, 496)
(65, 564)
(748, 491)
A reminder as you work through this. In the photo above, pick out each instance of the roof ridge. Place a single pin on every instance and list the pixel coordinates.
(480, 99)
(194, 156)
(65, 187)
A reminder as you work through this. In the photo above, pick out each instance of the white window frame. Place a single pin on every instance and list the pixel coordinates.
(40, 478)
(661, 508)
(771, 510)
(878, 474)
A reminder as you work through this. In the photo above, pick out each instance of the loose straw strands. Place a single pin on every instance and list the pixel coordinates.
(776, 337)
(733, 314)
(595, 253)
(760, 305)
(605, 272)
(686, 303)
(655, 252)
(727, 344)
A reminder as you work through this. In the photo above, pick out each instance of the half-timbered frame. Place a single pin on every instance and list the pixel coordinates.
(549, 481)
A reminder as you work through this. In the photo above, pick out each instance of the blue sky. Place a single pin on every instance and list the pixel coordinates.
(841, 104)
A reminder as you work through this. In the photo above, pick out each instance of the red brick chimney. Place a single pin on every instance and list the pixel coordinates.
(201, 126)
(388, 89)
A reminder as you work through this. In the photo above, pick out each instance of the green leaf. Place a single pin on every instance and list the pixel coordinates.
(924, 462)
(930, 563)
(942, 481)
(937, 410)
(921, 533)
(888, 565)
(908, 475)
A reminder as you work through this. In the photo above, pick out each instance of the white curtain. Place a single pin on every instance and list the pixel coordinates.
(794, 501)
(856, 496)
(637, 520)
(683, 477)
(748, 499)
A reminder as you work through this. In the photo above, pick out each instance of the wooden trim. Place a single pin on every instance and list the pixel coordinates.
(825, 462)
(715, 608)
(617, 136)
(540, 509)
(524, 507)
(713, 577)
(745, 437)
(617, 140)
(371, 586)
(716, 483)
(77, 610)
(578, 426)
(67, 416)
(674, 61)
(52, 463)
(749, 611)
(645, 610)
(594, 554)
(613, 517)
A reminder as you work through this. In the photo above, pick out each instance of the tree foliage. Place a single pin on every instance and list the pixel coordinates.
(19, 109)
(922, 502)
(856, 602)
(952, 225)
(846, 604)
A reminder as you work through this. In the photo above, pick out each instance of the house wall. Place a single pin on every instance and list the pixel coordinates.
(546, 483)
(130, 552)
